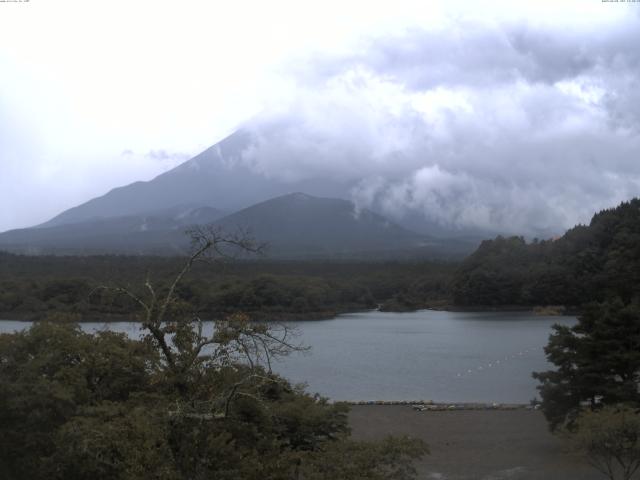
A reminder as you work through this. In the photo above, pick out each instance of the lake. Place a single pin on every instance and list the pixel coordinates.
(424, 355)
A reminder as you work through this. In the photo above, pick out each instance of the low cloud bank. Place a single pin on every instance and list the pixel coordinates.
(509, 128)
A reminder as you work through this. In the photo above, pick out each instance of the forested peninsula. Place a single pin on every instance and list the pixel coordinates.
(37, 288)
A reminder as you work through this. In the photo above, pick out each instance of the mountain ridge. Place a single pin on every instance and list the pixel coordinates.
(217, 177)
(294, 225)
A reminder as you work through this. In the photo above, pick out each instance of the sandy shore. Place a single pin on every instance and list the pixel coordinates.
(477, 444)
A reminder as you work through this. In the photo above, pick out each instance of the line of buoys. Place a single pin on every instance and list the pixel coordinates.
(495, 362)
(429, 405)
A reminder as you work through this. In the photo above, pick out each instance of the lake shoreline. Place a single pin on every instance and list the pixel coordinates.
(428, 405)
(546, 310)
(112, 318)
(317, 315)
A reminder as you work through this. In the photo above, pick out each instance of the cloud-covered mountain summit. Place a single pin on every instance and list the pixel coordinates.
(221, 177)
(515, 128)
(507, 126)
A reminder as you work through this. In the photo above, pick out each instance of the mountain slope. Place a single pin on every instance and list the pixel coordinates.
(298, 223)
(218, 177)
(230, 176)
(294, 226)
(159, 231)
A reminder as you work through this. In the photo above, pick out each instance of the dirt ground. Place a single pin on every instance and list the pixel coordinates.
(479, 445)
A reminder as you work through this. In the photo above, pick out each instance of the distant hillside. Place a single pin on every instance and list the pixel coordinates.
(157, 232)
(231, 176)
(587, 263)
(216, 177)
(294, 226)
(300, 223)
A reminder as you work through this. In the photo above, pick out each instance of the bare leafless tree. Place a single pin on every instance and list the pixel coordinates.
(235, 341)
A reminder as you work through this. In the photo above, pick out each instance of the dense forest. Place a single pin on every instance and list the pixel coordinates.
(588, 263)
(48, 286)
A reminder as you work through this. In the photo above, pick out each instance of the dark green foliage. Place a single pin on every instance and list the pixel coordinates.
(51, 372)
(38, 287)
(77, 406)
(610, 438)
(588, 263)
(597, 360)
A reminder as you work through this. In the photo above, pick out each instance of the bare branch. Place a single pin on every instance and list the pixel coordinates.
(124, 291)
(224, 244)
(234, 390)
(149, 286)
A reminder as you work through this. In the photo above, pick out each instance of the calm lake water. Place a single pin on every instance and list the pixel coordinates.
(428, 355)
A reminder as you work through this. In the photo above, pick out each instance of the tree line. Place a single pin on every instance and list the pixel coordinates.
(43, 287)
(588, 263)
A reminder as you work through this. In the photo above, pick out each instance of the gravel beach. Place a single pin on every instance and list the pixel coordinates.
(477, 444)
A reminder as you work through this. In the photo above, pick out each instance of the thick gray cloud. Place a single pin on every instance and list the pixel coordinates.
(512, 128)
(519, 117)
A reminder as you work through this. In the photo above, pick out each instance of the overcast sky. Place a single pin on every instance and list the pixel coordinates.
(485, 114)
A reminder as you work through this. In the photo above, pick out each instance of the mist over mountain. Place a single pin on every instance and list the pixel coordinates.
(156, 232)
(218, 177)
(515, 130)
(228, 176)
(518, 125)
(300, 223)
(296, 225)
